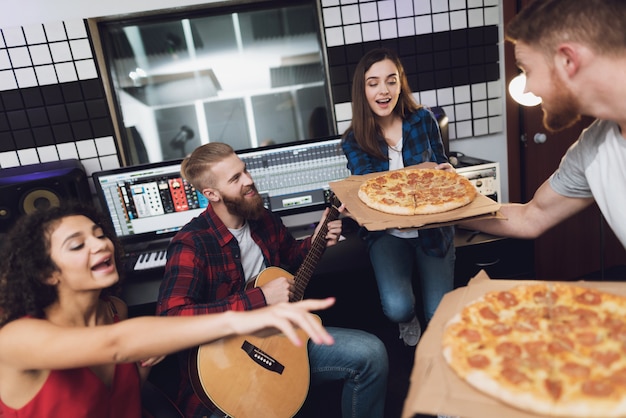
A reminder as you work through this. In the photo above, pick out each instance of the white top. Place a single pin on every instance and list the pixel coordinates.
(595, 166)
(395, 163)
(395, 156)
(251, 255)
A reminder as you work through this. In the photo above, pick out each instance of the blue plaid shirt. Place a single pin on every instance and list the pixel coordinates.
(421, 142)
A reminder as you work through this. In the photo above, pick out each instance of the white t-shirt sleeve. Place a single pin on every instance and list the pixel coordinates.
(595, 166)
(570, 179)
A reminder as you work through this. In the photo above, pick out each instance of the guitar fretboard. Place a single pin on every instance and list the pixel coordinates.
(304, 273)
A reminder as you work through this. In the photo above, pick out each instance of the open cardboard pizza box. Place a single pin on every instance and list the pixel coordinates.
(435, 388)
(347, 192)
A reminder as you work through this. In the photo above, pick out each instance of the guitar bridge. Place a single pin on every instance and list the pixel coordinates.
(262, 358)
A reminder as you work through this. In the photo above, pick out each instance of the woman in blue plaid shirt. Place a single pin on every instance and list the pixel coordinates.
(389, 131)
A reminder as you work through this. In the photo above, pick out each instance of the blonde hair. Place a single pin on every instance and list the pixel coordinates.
(196, 168)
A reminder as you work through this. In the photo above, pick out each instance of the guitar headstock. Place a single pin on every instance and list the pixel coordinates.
(334, 200)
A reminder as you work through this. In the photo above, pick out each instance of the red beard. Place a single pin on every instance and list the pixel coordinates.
(247, 208)
(564, 109)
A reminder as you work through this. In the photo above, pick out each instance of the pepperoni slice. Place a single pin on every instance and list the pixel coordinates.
(587, 338)
(619, 377)
(508, 299)
(605, 358)
(545, 297)
(528, 325)
(478, 361)
(575, 370)
(532, 313)
(380, 180)
(470, 335)
(560, 311)
(514, 376)
(586, 313)
(487, 313)
(618, 335)
(615, 325)
(534, 347)
(560, 329)
(508, 349)
(598, 388)
(554, 388)
(589, 297)
(560, 345)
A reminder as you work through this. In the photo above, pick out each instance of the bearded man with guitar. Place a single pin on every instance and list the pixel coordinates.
(215, 264)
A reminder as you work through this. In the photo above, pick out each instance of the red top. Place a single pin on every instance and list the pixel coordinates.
(80, 393)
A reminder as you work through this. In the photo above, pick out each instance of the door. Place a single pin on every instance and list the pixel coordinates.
(580, 245)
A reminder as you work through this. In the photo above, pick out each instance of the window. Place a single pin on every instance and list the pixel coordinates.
(249, 75)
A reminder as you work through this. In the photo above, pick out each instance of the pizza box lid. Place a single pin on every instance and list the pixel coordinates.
(347, 189)
(435, 388)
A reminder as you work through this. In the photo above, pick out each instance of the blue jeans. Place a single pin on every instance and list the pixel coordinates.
(393, 260)
(357, 358)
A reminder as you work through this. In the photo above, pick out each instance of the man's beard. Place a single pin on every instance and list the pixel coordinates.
(564, 111)
(247, 208)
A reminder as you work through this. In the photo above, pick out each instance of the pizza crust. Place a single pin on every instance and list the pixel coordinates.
(417, 192)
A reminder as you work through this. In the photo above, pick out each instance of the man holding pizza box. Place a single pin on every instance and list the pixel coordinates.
(573, 53)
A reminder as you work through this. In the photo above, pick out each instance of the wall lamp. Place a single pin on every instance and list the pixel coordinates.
(516, 90)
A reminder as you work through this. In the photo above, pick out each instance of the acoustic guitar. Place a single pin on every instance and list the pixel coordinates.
(260, 376)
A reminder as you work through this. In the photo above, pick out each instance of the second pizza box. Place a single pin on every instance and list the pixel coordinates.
(347, 192)
(435, 388)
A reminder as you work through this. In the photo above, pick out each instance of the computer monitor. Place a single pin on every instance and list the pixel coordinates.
(147, 202)
(294, 178)
(151, 202)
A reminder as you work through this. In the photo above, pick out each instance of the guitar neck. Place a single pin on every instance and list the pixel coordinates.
(318, 245)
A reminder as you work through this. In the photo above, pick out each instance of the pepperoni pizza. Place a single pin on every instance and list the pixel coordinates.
(417, 191)
(551, 348)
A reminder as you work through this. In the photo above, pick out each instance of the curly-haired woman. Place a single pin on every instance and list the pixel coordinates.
(66, 349)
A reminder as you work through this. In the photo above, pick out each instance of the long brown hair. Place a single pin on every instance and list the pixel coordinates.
(367, 132)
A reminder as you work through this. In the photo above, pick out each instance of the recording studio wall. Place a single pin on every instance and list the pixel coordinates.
(52, 103)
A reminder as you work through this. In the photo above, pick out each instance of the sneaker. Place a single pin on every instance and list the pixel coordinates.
(411, 332)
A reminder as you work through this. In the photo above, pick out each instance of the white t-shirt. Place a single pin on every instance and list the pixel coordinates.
(595, 166)
(251, 255)
(395, 156)
(395, 163)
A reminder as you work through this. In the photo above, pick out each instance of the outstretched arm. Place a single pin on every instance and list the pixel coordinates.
(530, 220)
(36, 344)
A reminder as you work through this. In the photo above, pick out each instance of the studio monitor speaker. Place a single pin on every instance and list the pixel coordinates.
(27, 188)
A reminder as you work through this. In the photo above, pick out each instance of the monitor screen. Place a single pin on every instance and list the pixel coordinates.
(148, 202)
